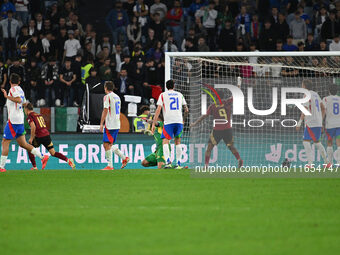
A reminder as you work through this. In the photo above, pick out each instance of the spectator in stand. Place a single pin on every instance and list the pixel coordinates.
(279, 45)
(31, 27)
(123, 86)
(301, 46)
(6, 7)
(126, 64)
(3, 81)
(335, 44)
(209, 15)
(72, 46)
(105, 42)
(35, 47)
(117, 58)
(49, 46)
(141, 11)
(93, 80)
(202, 46)
(53, 14)
(223, 16)
(138, 77)
(156, 53)
(21, 7)
(128, 6)
(169, 45)
(33, 77)
(174, 17)
(227, 39)
(274, 17)
(150, 39)
(255, 28)
(151, 78)
(267, 37)
(67, 77)
(105, 72)
(23, 36)
(10, 30)
(310, 44)
(319, 18)
(323, 46)
(49, 76)
(159, 8)
(23, 54)
(289, 46)
(262, 7)
(137, 54)
(117, 20)
(330, 27)
(134, 32)
(289, 71)
(189, 46)
(298, 29)
(18, 68)
(74, 24)
(158, 26)
(193, 8)
(39, 22)
(243, 22)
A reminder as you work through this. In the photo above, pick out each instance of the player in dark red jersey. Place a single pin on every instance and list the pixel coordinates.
(40, 135)
(222, 128)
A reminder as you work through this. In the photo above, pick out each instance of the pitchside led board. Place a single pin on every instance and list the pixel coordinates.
(88, 152)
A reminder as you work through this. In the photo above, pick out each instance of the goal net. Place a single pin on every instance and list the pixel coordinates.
(260, 139)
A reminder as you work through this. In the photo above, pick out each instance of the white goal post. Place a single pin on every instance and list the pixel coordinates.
(199, 75)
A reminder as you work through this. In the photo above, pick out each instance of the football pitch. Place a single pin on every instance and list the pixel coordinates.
(150, 211)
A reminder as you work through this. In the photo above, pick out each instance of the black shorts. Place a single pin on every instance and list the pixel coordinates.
(217, 135)
(45, 140)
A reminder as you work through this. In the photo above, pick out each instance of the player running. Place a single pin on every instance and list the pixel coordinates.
(15, 125)
(222, 129)
(171, 102)
(156, 158)
(313, 125)
(111, 118)
(332, 113)
(40, 135)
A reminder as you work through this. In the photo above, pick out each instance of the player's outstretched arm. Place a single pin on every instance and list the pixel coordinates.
(102, 120)
(300, 122)
(198, 121)
(13, 99)
(155, 118)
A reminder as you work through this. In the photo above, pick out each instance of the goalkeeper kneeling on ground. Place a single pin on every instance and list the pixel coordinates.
(156, 158)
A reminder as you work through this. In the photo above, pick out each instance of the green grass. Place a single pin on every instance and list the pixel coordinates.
(165, 212)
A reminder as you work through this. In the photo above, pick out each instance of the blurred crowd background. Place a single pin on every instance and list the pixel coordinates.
(59, 46)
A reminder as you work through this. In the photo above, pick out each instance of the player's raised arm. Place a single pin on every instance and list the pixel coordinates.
(13, 99)
(198, 121)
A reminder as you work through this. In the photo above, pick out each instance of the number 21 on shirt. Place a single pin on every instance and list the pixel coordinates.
(174, 105)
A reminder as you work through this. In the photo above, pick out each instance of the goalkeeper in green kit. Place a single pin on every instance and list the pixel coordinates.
(156, 158)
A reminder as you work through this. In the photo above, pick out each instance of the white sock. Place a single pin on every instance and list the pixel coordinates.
(3, 161)
(37, 153)
(330, 154)
(178, 153)
(118, 152)
(337, 156)
(108, 156)
(166, 153)
(322, 150)
(308, 149)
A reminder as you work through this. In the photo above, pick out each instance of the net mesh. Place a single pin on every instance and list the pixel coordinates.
(271, 142)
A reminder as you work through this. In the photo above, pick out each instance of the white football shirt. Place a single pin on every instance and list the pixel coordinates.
(15, 111)
(314, 107)
(172, 102)
(112, 103)
(332, 105)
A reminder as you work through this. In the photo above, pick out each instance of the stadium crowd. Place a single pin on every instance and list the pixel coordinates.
(55, 54)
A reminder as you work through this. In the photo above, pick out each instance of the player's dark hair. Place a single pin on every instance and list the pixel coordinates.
(170, 84)
(29, 106)
(308, 84)
(15, 78)
(333, 89)
(109, 85)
